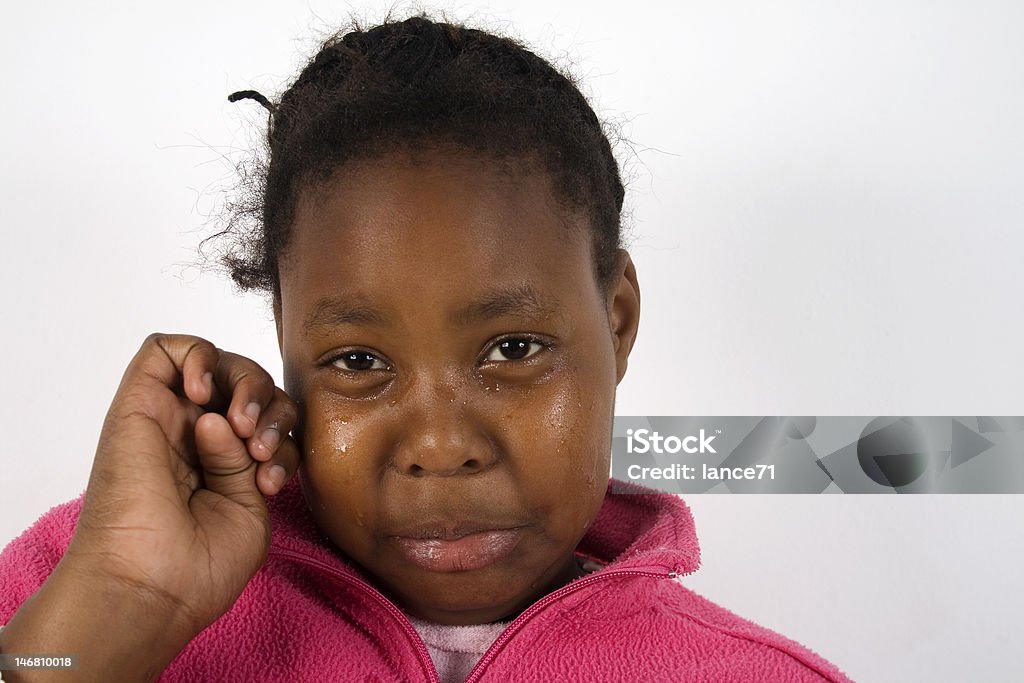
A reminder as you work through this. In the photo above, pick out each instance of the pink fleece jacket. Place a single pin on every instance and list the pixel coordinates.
(307, 615)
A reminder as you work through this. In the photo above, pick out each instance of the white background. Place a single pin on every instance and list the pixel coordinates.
(826, 203)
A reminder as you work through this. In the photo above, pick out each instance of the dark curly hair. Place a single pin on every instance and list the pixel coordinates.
(414, 84)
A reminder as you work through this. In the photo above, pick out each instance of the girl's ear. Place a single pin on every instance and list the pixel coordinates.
(623, 311)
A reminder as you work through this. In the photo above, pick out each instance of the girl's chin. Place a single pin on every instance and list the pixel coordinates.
(462, 600)
(474, 597)
(463, 614)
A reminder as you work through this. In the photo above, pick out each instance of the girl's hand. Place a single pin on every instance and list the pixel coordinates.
(174, 523)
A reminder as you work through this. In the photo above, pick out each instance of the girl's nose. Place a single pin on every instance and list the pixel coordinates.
(444, 439)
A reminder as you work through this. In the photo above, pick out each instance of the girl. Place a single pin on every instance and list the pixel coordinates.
(440, 239)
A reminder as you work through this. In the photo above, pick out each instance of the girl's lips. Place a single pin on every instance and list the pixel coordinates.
(462, 554)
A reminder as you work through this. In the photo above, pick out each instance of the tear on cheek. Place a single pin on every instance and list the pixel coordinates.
(341, 436)
(565, 417)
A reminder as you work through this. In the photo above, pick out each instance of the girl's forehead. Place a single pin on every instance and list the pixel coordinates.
(441, 231)
(409, 176)
(396, 208)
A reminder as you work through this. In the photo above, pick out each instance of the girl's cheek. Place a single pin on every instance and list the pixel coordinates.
(338, 470)
(332, 439)
(569, 428)
(340, 437)
(563, 421)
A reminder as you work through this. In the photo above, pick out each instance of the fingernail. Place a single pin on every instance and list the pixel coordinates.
(270, 438)
(252, 411)
(276, 476)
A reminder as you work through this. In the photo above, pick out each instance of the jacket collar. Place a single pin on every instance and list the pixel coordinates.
(638, 528)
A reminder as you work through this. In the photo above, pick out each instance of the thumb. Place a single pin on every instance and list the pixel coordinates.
(227, 467)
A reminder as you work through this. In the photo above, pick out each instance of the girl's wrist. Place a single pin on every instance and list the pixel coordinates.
(114, 634)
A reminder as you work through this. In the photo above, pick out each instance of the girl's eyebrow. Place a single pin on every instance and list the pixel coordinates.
(332, 312)
(522, 301)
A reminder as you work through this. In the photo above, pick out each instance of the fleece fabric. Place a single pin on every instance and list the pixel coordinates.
(308, 615)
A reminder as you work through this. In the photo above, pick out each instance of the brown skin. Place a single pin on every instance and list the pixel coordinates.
(429, 422)
(174, 522)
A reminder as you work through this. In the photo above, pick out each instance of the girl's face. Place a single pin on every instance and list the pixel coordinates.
(456, 364)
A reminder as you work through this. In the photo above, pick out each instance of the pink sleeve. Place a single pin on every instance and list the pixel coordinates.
(28, 560)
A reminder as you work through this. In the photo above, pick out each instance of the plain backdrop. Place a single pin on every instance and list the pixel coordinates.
(825, 206)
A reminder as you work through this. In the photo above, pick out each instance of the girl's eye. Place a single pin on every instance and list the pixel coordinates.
(358, 361)
(513, 349)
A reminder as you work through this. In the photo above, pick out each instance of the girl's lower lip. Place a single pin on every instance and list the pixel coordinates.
(469, 552)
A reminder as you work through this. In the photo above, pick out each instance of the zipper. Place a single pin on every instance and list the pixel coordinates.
(421, 649)
(531, 611)
(495, 649)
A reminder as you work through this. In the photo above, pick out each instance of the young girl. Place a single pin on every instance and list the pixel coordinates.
(440, 239)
